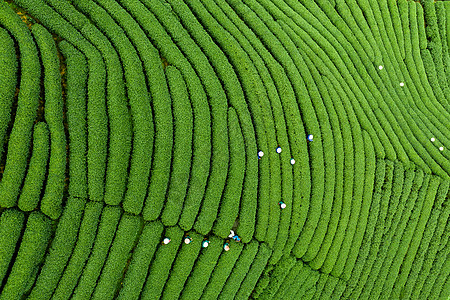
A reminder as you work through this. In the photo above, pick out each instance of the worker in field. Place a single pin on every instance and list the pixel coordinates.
(282, 204)
(166, 241)
(234, 236)
(310, 137)
(260, 154)
(205, 243)
(226, 246)
(187, 240)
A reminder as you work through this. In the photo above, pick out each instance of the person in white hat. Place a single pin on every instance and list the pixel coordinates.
(187, 240)
(282, 205)
(166, 241)
(205, 243)
(310, 137)
(260, 154)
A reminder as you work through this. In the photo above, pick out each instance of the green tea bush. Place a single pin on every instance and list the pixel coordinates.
(240, 270)
(232, 194)
(182, 148)
(203, 57)
(34, 181)
(202, 126)
(51, 203)
(77, 72)
(182, 267)
(119, 253)
(11, 223)
(161, 265)
(136, 272)
(8, 81)
(202, 270)
(29, 256)
(223, 269)
(60, 250)
(96, 107)
(81, 252)
(105, 234)
(27, 104)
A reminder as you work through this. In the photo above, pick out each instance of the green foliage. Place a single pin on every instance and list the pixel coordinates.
(182, 148)
(217, 101)
(311, 282)
(8, 81)
(51, 203)
(28, 99)
(430, 229)
(96, 107)
(166, 105)
(182, 267)
(289, 282)
(231, 196)
(34, 181)
(240, 270)
(440, 235)
(256, 269)
(161, 265)
(399, 245)
(118, 113)
(119, 253)
(202, 121)
(11, 223)
(60, 249)
(76, 118)
(423, 216)
(277, 276)
(139, 101)
(80, 254)
(253, 76)
(105, 234)
(201, 272)
(222, 271)
(135, 275)
(29, 256)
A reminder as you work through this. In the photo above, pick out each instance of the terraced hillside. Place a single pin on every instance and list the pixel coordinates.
(136, 134)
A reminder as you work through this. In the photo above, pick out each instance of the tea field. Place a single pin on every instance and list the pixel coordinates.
(224, 149)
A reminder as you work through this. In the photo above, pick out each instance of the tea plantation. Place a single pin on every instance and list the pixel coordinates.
(224, 149)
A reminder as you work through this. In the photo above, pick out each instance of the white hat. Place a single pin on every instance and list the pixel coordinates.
(283, 205)
(166, 241)
(292, 161)
(187, 240)
(380, 67)
(402, 83)
(260, 154)
(310, 137)
(205, 244)
(226, 247)
(279, 150)
(441, 148)
(432, 139)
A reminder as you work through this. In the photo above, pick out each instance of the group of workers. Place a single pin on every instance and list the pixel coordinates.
(232, 235)
(205, 243)
(310, 138)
